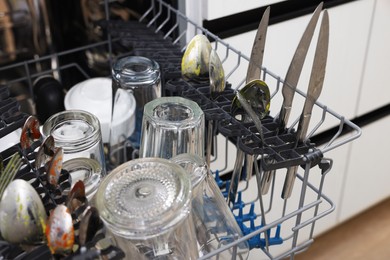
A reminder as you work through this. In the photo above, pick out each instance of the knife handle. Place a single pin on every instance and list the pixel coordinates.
(283, 117)
(303, 126)
(289, 182)
(266, 181)
(235, 179)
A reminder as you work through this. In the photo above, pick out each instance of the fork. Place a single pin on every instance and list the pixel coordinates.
(9, 172)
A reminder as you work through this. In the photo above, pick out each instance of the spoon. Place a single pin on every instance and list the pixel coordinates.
(196, 59)
(30, 132)
(76, 197)
(60, 231)
(89, 225)
(55, 167)
(45, 152)
(23, 215)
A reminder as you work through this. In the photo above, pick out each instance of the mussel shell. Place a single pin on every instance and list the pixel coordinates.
(196, 59)
(30, 132)
(22, 214)
(60, 231)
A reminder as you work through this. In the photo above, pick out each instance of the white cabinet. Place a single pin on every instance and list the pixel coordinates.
(375, 84)
(214, 9)
(368, 172)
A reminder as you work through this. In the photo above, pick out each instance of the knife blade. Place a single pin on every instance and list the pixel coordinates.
(290, 84)
(257, 53)
(314, 90)
(295, 68)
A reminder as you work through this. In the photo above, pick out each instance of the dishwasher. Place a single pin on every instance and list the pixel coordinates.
(286, 226)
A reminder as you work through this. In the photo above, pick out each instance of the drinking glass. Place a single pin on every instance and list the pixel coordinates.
(145, 206)
(172, 126)
(78, 133)
(215, 224)
(142, 77)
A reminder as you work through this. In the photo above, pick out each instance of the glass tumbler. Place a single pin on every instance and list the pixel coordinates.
(78, 133)
(172, 126)
(145, 206)
(215, 224)
(142, 77)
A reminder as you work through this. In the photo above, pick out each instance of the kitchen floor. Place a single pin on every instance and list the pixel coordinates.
(366, 236)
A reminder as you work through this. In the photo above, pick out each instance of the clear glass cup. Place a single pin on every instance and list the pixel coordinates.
(142, 77)
(145, 206)
(78, 133)
(215, 224)
(172, 126)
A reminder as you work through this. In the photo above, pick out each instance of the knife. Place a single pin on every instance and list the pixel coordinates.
(257, 53)
(314, 90)
(253, 72)
(290, 84)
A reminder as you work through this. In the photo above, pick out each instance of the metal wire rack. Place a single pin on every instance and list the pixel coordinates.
(161, 34)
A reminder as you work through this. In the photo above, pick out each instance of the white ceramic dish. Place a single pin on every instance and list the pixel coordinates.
(95, 96)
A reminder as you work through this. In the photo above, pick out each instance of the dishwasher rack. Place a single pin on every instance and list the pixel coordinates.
(161, 34)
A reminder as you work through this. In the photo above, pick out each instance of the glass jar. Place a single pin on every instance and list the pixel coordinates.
(78, 133)
(172, 126)
(142, 77)
(145, 206)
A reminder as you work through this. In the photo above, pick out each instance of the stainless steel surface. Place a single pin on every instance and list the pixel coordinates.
(313, 92)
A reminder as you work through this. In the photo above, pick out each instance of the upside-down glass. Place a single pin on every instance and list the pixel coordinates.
(78, 133)
(214, 222)
(172, 126)
(140, 76)
(145, 206)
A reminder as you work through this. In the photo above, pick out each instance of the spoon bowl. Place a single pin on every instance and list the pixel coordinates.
(257, 94)
(196, 59)
(22, 214)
